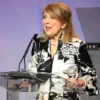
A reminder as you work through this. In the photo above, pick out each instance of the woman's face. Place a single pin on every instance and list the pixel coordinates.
(52, 27)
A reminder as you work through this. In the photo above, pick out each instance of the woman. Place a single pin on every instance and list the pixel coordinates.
(62, 53)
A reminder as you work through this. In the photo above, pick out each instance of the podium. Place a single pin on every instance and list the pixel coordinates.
(12, 80)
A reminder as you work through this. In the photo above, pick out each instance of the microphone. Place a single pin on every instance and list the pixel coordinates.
(34, 38)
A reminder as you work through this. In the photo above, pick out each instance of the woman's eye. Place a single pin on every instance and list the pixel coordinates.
(44, 17)
(52, 17)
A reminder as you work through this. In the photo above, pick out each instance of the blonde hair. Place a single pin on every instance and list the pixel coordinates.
(61, 12)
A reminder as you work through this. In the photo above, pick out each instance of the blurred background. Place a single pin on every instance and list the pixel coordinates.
(21, 19)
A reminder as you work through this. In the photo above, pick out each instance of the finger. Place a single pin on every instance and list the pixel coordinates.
(27, 85)
(20, 86)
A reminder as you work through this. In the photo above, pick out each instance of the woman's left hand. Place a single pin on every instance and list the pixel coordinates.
(72, 80)
(79, 82)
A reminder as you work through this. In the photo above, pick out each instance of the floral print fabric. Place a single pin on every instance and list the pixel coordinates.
(69, 59)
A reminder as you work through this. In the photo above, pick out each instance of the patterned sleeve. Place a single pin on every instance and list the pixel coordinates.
(32, 65)
(88, 70)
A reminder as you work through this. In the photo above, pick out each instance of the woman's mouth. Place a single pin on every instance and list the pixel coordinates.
(48, 28)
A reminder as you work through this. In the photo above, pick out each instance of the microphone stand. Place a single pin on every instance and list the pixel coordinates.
(26, 51)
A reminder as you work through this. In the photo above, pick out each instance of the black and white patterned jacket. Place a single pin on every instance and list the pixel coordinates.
(69, 60)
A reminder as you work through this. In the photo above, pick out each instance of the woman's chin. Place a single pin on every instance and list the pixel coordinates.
(50, 35)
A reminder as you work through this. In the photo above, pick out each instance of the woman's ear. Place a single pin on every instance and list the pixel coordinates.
(64, 25)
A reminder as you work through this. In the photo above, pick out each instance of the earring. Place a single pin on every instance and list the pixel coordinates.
(62, 35)
(63, 32)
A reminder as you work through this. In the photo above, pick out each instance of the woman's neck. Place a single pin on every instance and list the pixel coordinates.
(55, 38)
(53, 41)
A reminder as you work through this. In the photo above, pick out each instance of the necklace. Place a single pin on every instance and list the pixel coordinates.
(53, 43)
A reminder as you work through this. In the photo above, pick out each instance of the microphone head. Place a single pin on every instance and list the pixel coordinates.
(35, 36)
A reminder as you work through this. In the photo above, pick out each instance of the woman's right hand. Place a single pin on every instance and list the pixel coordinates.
(24, 84)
